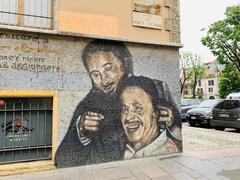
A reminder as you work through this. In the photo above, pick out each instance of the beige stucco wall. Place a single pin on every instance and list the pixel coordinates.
(113, 18)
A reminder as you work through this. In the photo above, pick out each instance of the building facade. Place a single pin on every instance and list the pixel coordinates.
(207, 88)
(47, 85)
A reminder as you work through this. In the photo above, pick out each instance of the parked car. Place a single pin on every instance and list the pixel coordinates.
(226, 114)
(187, 104)
(233, 96)
(202, 114)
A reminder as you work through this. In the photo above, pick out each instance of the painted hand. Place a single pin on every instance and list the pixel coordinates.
(166, 115)
(90, 121)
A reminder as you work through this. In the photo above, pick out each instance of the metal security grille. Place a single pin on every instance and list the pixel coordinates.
(27, 13)
(25, 129)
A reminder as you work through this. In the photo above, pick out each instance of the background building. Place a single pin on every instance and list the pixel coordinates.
(208, 86)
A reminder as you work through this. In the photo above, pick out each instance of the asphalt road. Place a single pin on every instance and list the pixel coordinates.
(200, 138)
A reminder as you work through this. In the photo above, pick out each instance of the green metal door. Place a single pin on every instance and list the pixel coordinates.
(25, 129)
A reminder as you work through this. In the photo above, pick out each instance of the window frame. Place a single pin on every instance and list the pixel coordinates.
(20, 17)
(210, 82)
(38, 94)
(199, 83)
(210, 89)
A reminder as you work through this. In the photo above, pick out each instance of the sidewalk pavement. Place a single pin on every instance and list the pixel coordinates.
(220, 164)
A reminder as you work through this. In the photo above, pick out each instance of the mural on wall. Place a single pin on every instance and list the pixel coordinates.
(123, 116)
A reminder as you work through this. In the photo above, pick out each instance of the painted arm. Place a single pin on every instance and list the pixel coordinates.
(84, 140)
(89, 121)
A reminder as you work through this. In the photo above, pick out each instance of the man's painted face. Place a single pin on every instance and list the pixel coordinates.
(137, 114)
(105, 71)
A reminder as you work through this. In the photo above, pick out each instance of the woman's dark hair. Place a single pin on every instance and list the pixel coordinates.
(144, 83)
(116, 47)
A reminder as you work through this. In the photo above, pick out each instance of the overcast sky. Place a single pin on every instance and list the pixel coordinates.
(198, 14)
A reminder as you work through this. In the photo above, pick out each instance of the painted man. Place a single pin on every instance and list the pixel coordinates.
(95, 134)
(140, 117)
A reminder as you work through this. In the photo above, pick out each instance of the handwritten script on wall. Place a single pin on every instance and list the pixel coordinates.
(28, 53)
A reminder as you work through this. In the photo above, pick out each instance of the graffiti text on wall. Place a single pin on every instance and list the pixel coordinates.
(23, 37)
(25, 48)
(26, 63)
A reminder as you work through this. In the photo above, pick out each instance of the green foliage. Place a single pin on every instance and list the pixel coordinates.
(197, 72)
(191, 70)
(185, 61)
(199, 94)
(229, 81)
(223, 38)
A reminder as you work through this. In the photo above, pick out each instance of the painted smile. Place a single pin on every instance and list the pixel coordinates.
(109, 88)
(132, 126)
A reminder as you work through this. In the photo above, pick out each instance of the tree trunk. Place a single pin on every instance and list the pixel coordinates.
(182, 85)
(194, 87)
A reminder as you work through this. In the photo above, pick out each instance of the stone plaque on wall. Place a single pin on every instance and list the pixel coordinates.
(147, 13)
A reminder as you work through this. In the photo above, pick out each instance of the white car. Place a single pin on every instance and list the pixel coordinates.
(233, 96)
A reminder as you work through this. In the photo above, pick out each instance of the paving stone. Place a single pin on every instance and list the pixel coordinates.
(183, 167)
(214, 176)
(129, 178)
(227, 160)
(203, 178)
(134, 169)
(232, 166)
(182, 176)
(173, 167)
(186, 170)
(168, 177)
(122, 172)
(110, 174)
(218, 164)
(194, 174)
(231, 174)
(216, 153)
(142, 176)
(153, 171)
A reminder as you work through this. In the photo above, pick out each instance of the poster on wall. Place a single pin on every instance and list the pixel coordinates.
(147, 13)
(123, 116)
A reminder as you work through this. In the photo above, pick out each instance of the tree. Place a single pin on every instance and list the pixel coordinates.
(191, 70)
(223, 38)
(185, 59)
(197, 72)
(229, 80)
(199, 94)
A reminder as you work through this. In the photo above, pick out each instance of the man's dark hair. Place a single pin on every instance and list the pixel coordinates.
(115, 47)
(144, 83)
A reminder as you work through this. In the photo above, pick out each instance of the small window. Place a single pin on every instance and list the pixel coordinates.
(199, 83)
(210, 90)
(27, 13)
(185, 93)
(200, 89)
(211, 82)
(25, 129)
